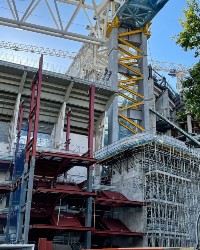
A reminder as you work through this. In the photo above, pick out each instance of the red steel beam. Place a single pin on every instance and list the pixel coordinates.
(63, 191)
(30, 120)
(109, 232)
(38, 226)
(37, 111)
(113, 201)
(68, 156)
(42, 244)
(49, 245)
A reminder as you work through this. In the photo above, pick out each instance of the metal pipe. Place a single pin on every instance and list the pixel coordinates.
(88, 214)
(91, 121)
(191, 138)
(51, 31)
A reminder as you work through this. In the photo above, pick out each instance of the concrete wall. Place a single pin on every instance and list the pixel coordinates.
(4, 148)
(132, 217)
(162, 104)
(129, 183)
(127, 242)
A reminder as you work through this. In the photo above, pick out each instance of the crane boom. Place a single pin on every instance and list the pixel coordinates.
(169, 67)
(37, 50)
(156, 65)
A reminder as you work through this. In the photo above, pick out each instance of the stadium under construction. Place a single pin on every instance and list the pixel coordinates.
(96, 157)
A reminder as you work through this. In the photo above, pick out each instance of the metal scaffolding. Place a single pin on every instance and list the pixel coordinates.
(171, 188)
(165, 175)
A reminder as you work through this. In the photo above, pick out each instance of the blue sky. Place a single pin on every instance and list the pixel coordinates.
(161, 46)
(165, 26)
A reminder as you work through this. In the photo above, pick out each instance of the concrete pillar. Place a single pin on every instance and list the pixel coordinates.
(152, 116)
(99, 132)
(180, 76)
(113, 126)
(189, 124)
(140, 116)
(13, 125)
(143, 87)
(59, 127)
(162, 104)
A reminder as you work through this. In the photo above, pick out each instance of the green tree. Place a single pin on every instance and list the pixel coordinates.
(191, 91)
(189, 39)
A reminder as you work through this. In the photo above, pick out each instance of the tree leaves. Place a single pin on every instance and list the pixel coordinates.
(191, 91)
(189, 38)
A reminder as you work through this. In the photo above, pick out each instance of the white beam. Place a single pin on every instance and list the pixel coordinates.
(50, 31)
(13, 124)
(76, 3)
(59, 127)
(74, 15)
(21, 85)
(67, 94)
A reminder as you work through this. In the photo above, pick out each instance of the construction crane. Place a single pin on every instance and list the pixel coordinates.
(37, 50)
(177, 70)
(173, 69)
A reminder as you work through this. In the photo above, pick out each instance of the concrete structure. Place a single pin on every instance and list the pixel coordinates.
(163, 173)
(127, 172)
(59, 93)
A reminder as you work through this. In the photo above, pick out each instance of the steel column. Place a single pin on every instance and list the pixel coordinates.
(19, 127)
(37, 107)
(88, 213)
(42, 244)
(29, 166)
(91, 121)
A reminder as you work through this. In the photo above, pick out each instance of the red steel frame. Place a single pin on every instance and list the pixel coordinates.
(34, 113)
(44, 244)
(30, 153)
